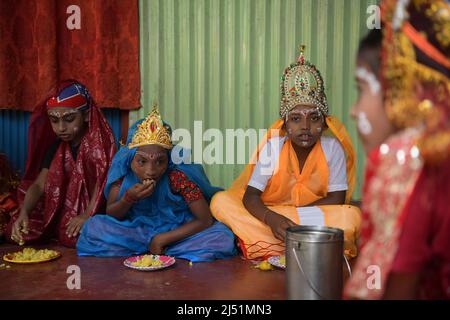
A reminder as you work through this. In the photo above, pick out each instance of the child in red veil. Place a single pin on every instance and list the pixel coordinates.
(70, 150)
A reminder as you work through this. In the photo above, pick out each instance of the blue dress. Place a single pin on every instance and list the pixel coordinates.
(106, 236)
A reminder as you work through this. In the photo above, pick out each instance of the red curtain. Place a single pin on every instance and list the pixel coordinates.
(37, 50)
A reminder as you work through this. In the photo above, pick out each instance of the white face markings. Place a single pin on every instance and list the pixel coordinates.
(364, 126)
(306, 112)
(150, 156)
(315, 111)
(367, 76)
(60, 115)
(384, 149)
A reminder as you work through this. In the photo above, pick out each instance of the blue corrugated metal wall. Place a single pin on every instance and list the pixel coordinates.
(113, 117)
(14, 137)
(14, 133)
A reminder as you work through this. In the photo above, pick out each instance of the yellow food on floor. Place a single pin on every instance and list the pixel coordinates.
(282, 260)
(148, 260)
(264, 265)
(30, 254)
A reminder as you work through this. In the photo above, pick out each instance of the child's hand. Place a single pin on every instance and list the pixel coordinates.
(142, 190)
(278, 224)
(74, 225)
(157, 245)
(19, 226)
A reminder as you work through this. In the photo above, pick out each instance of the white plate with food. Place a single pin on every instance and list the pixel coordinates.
(149, 262)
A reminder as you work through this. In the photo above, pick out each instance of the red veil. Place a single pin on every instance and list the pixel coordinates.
(69, 182)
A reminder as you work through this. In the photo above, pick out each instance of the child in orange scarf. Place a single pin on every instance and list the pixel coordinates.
(294, 167)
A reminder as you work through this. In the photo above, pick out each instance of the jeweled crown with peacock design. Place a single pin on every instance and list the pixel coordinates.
(302, 84)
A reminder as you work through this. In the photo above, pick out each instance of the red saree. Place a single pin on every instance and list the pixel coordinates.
(70, 183)
(406, 221)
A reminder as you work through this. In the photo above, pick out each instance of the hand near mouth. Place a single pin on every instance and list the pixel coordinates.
(148, 181)
(142, 190)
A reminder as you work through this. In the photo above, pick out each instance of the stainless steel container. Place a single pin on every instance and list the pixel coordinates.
(314, 261)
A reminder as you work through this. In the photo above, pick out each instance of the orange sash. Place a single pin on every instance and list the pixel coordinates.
(309, 185)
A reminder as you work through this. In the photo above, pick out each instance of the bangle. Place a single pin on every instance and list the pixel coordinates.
(129, 198)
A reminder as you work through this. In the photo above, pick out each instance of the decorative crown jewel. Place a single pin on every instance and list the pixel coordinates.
(302, 83)
(152, 131)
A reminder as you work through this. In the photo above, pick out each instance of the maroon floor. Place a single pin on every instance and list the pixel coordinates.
(107, 278)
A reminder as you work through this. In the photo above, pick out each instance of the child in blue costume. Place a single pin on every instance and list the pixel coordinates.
(154, 204)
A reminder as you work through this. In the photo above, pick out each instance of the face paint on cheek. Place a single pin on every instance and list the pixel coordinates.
(369, 77)
(364, 125)
(319, 129)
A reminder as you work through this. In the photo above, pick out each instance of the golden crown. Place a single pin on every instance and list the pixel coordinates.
(152, 131)
(302, 83)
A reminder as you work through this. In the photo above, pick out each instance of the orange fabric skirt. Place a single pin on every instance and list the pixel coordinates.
(256, 238)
